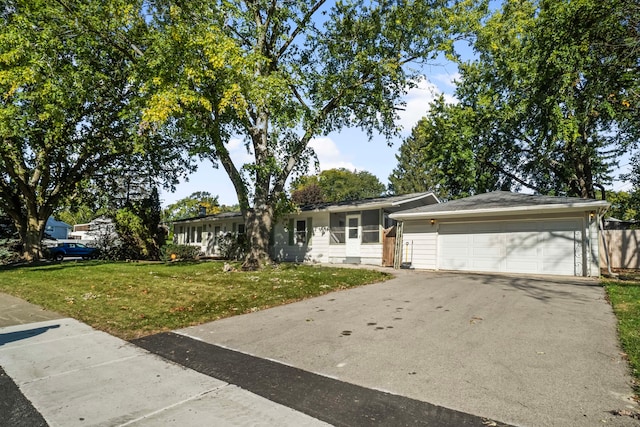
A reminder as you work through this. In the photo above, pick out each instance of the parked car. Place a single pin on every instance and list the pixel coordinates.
(72, 250)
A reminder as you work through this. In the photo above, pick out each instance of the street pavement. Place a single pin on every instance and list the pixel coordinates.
(424, 348)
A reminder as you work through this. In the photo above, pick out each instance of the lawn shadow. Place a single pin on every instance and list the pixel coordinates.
(22, 335)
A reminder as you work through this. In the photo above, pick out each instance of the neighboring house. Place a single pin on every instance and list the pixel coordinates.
(97, 228)
(620, 224)
(347, 232)
(57, 229)
(505, 232)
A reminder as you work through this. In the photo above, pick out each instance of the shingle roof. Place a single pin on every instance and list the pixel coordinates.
(369, 203)
(223, 215)
(372, 203)
(506, 201)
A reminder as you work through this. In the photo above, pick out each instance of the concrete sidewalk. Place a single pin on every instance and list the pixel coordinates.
(74, 375)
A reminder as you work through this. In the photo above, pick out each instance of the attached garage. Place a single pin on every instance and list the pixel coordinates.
(552, 246)
(507, 233)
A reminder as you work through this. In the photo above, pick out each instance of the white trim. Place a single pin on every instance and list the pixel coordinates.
(413, 199)
(573, 207)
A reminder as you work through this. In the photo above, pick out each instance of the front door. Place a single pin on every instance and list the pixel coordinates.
(353, 236)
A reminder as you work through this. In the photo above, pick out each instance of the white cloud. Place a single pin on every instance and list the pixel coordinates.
(417, 103)
(238, 152)
(329, 155)
(448, 79)
(234, 144)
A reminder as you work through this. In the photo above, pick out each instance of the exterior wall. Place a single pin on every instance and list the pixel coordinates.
(423, 242)
(57, 229)
(312, 251)
(370, 254)
(422, 250)
(319, 249)
(205, 236)
(94, 230)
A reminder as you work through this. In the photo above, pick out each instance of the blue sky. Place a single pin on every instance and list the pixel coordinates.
(349, 148)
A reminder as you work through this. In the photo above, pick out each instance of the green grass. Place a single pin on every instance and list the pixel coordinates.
(625, 299)
(130, 300)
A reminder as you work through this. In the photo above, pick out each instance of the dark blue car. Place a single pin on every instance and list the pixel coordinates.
(72, 250)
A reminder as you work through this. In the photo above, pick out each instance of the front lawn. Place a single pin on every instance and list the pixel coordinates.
(625, 299)
(130, 300)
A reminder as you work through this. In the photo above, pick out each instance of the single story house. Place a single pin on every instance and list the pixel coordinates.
(100, 227)
(492, 232)
(347, 232)
(505, 232)
(57, 229)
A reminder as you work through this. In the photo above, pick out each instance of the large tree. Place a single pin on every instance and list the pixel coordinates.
(191, 206)
(554, 91)
(443, 154)
(336, 185)
(278, 74)
(67, 104)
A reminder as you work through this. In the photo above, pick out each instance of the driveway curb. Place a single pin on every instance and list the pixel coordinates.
(330, 400)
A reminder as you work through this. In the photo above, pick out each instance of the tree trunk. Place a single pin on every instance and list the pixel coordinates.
(259, 222)
(31, 235)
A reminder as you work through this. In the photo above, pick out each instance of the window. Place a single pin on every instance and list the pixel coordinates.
(301, 231)
(371, 226)
(240, 229)
(199, 234)
(216, 233)
(353, 228)
(337, 226)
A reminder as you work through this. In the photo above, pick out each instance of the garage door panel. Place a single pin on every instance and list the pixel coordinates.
(487, 264)
(542, 247)
(523, 266)
(523, 245)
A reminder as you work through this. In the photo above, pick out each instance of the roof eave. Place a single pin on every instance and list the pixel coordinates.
(370, 205)
(413, 199)
(519, 210)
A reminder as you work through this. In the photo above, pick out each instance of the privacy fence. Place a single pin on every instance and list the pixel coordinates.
(622, 247)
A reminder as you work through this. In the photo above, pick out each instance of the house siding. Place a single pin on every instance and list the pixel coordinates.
(287, 245)
(319, 249)
(205, 230)
(423, 242)
(312, 251)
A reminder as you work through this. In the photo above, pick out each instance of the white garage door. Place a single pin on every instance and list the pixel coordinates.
(539, 247)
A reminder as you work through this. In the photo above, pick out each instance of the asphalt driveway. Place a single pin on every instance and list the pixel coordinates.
(525, 351)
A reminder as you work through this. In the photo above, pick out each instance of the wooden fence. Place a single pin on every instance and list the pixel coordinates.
(623, 248)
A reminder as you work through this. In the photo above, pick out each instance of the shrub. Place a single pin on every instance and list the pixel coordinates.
(9, 251)
(182, 252)
(232, 246)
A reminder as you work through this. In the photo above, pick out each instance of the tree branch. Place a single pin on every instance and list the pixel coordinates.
(109, 41)
(301, 26)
